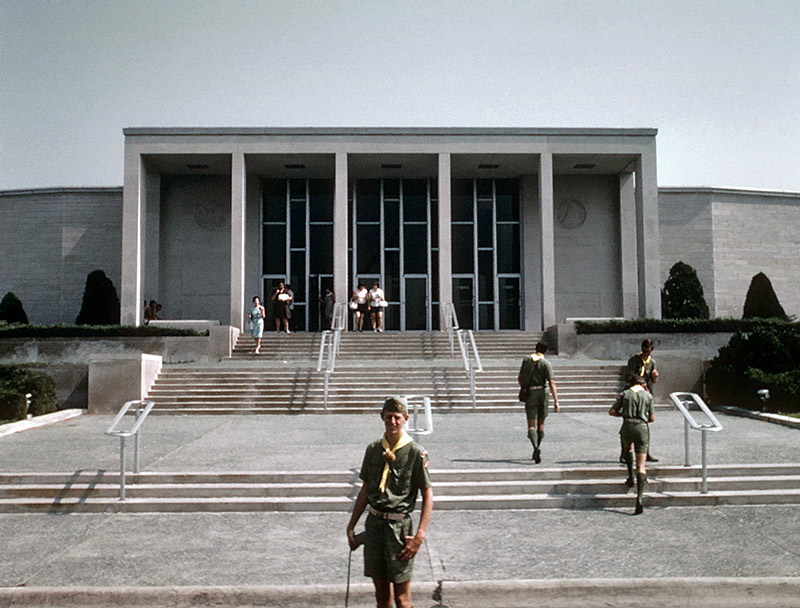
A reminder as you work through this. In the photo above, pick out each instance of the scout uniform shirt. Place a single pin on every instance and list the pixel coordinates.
(407, 475)
(635, 402)
(536, 369)
(638, 367)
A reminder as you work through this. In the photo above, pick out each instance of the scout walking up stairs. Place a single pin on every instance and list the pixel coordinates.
(370, 366)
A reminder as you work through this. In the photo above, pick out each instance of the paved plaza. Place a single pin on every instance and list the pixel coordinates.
(302, 558)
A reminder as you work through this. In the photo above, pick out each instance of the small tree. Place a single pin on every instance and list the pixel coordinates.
(682, 296)
(100, 301)
(11, 309)
(762, 301)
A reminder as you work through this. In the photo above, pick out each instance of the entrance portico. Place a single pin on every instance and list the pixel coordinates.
(519, 228)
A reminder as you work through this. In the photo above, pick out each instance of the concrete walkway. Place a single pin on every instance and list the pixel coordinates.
(270, 559)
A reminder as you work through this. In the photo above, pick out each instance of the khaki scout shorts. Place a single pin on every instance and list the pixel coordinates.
(636, 433)
(385, 539)
(536, 405)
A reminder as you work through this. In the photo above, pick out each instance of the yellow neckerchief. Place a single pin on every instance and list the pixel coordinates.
(388, 454)
(637, 388)
(645, 362)
(537, 356)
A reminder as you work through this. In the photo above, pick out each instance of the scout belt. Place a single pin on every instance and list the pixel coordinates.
(384, 515)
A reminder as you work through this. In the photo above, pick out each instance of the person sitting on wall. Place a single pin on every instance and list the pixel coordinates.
(151, 311)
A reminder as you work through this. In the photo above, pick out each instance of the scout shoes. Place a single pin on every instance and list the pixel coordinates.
(639, 508)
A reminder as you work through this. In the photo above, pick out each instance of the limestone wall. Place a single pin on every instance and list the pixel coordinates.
(51, 240)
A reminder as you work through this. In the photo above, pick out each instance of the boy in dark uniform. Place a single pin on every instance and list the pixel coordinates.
(393, 471)
(642, 364)
(635, 407)
(533, 373)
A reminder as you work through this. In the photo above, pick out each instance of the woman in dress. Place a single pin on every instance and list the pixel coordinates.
(256, 315)
(281, 310)
(360, 296)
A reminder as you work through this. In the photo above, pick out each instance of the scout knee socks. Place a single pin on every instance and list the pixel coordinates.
(534, 438)
(641, 479)
(629, 464)
(540, 435)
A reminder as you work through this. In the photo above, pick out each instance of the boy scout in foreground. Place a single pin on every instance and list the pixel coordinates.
(533, 373)
(393, 471)
(635, 407)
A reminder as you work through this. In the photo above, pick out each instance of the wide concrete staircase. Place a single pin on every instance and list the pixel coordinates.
(283, 379)
(456, 489)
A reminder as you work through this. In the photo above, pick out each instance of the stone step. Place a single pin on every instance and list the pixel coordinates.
(477, 489)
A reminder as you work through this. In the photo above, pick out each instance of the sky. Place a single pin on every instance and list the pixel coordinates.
(719, 79)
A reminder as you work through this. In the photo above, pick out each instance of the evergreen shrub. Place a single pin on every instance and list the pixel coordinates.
(761, 300)
(11, 309)
(42, 388)
(682, 296)
(100, 301)
(13, 405)
(768, 357)
(92, 331)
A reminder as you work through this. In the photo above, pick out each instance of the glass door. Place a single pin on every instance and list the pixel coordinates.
(415, 303)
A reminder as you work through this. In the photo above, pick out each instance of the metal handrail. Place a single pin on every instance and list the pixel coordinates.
(683, 401)
(451, 324)
(415, 430)
(142, 410)
(470, 358)
(331, 340)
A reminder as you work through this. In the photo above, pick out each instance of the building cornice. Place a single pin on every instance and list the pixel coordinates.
(720, 190)
(385, 131)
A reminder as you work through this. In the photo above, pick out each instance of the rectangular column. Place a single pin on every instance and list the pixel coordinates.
(238, 192)
(445, 238)
(131, 310)
(628, 255)
(647, 238)
(341, 281)
(547, 240)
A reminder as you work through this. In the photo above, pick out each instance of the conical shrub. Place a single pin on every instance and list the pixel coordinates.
(762, 301)
(100, 301)
(682, 296)
(11, 309)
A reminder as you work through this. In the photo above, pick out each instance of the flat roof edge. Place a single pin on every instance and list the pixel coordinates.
(722, 190)
(384, 131)
(64, 190)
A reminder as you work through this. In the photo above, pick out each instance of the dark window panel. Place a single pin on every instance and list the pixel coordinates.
(368, 199)
(463, 248)
(321, 249)
(391, 261)
(509, 302)
(274, 251)
(507, 200)
(463, 301)
(391, 221)
(508, 248)
(485, 275)
(297, 278)
(461, 200)
(369, 249)
(484, 188)
(391, 189)
(415, 249)
(274, 200)
(298, 224)
(485, 224)
(321, 200)
(297, 189)
(415, 200)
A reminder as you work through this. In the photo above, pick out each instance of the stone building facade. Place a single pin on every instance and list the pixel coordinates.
(516, 228)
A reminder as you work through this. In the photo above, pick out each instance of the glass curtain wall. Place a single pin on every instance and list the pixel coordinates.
(485, 219)
(297, 245)
(394, 241)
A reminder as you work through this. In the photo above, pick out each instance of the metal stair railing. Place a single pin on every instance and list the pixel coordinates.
(331, 341)
(683, 401)
(416, 430)
(470, 357)
(142, 410)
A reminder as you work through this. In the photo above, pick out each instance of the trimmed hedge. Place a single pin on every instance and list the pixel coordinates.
(675, 326)
(13, 405)
(91, 331)
(768, 357)
(18, 379)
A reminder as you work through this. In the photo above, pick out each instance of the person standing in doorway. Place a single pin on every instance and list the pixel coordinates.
(635, 407)
(377, 301)
(642, 364)
(393, 472)
(360, 296)
(533, 374)
(280, 307)
(257, 315)
(328, 300)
